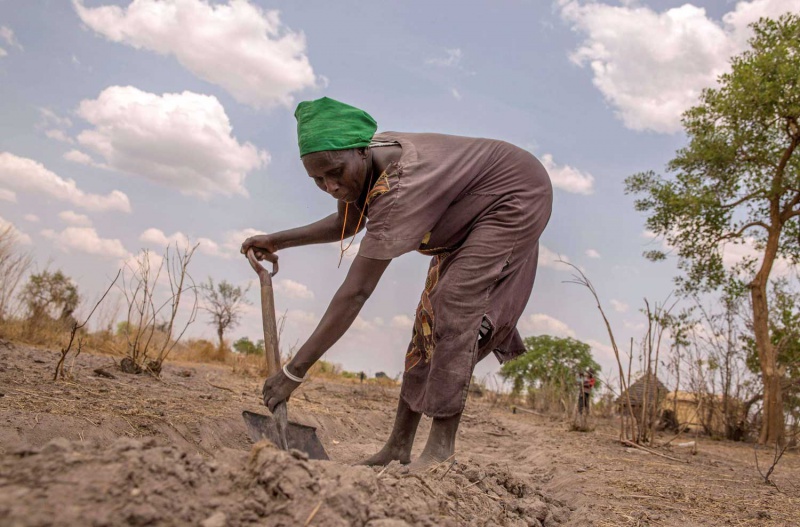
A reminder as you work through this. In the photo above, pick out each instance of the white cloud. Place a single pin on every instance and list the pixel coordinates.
(568, 178)
(456, 94)
(54, 125)
(59, 135)
(303, 319)
(180, 140)
(76, 156)
(633, 326)
(548, 258)
(292, 289)
(33, 218)
(605, 349)
(8, 195)
(541, 324)
(402, 322)
(21, 237)
(352, 250)
(28, 175)
(651, 66)
(86, 240)
(232, 243)
(735, 253)
(7, 34)
(619, 307)
(361, 324)
(74, 219)
(237, 45)
(3, 53)
(51, 118)
(591, 253)
(234, 239)
(451, 59)
(156, 237)
(746, 13)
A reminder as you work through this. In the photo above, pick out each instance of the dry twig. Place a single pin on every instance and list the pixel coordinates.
(75, 327)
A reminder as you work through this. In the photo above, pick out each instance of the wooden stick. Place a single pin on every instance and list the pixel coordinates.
(313, 513)
(448, 469)
(650, 451)
(675, 437)
(498, 434)
(515, 409)
(218, 387)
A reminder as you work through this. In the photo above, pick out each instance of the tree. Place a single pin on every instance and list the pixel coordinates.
(246, 346)
(785, 333)
(51, 295)
(224, 302)
(550, 362)
(738, 182)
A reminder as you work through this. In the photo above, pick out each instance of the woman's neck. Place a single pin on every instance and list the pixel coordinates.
(384, 156)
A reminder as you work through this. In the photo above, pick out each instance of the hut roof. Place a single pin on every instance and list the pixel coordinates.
(649, 382)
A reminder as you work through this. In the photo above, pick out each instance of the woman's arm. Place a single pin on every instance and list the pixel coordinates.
(361, 280)
(326, 230)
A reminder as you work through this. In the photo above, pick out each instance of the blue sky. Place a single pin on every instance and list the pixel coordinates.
(173, 119)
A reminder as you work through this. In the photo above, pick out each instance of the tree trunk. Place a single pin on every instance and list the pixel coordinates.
(220, 334)
(772, 427)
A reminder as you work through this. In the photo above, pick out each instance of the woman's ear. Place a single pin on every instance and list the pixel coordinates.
(362, 152)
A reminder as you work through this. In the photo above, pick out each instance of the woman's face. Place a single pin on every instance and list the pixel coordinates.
(340, 173)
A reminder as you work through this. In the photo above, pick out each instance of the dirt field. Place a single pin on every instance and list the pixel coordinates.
(135, 450)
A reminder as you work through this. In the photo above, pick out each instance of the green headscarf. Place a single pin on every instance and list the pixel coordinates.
(327, 124)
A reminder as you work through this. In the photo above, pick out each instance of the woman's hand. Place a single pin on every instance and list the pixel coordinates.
(276, 389)
(264, 247)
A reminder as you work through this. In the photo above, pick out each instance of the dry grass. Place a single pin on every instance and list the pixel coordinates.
(45, 332)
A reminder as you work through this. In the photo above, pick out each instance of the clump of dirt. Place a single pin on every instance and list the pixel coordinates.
(133, 482)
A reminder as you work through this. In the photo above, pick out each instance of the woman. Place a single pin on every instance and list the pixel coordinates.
(477, 206)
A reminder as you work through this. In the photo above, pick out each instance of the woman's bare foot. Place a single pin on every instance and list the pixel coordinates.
(398, 446)
(425, 462)
(440, 447)
(387, 454)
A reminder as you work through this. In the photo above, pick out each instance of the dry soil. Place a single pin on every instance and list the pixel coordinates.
(136, 450)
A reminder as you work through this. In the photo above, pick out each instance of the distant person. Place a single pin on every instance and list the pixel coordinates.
(476, 206)
(587, 382)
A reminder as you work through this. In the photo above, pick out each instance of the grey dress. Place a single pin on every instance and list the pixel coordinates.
(478, 207)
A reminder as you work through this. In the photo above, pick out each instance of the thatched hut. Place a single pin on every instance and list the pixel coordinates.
(647, 387)
(699, 412)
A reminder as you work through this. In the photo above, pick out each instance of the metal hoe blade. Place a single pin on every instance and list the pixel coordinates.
(300, 437)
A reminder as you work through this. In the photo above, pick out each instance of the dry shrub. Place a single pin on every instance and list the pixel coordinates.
(14, 264)
(43, 332)
(247, 365)
(199, 350)
(383, 382)
(150, 340)
(604, 405)
(104, 341)
(551, 399)
(325, 370)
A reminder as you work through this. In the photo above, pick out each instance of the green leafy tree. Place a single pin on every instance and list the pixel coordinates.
(549, 362)
(738, 182)
(51, 295)
(224, 302)
(246, 346)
